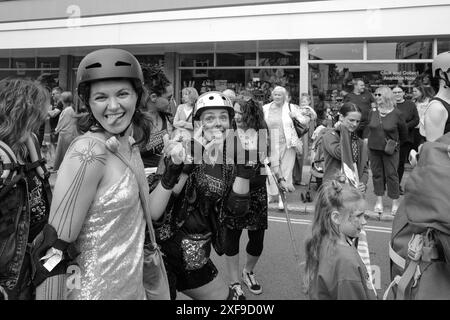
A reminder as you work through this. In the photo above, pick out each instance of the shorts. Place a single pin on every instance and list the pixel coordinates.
(180, 278)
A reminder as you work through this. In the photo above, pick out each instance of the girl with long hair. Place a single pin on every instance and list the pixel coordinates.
(334, 269)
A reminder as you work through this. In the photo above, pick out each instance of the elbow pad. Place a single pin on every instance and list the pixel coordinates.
(238, 204)
(50, 256)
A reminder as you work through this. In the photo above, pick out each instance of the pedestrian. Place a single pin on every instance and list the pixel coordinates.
(66, 128)
(335, 144)
(210, 189)
(25, 193)
(56, 109)
(421, 96)
(284, 140)
(310, 114)
(156, 100)
(96, 217)
(385, 123)
(411, 116)
(334, 270)
(364, 100)
(249, 124)
(183, 116)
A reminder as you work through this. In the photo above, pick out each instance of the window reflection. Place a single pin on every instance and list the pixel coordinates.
(443, 45)
(400, 50)
(335, 51)
(337, 78)
(281, 58)
(259, 81)
(236, 59)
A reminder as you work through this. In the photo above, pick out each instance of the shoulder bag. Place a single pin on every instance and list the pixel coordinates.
(300, 128)
(391, 145)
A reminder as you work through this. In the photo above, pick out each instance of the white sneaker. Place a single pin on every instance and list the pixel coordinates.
(250, 281)
(238, 293)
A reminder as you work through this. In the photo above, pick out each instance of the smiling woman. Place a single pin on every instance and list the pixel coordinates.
(100, 208)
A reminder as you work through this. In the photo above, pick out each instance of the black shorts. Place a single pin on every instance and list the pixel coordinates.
(180, 278)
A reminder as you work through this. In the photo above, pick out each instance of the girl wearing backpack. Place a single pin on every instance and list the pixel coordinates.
(334, 270)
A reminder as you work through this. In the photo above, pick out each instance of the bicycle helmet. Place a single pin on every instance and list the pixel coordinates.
(212, 100)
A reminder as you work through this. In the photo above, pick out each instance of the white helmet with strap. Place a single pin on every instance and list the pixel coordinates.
(442, 62)
(212, 100)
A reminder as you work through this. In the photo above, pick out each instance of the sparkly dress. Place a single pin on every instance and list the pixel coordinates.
(111, 244)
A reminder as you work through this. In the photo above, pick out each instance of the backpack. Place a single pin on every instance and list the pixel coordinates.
(420, 242)
(13, 196)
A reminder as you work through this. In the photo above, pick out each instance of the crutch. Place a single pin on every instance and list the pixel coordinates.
(286, 211)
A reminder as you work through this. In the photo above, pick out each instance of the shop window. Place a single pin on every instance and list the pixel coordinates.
(23, 63)
(151, 59)
(329, 78)
(335, 51)
(443, 45)
(259, 81)
(236, 59)
(46, 77)
(280, 58)
(47, 62)
(197, 60)
(400, 50)
(4, 62)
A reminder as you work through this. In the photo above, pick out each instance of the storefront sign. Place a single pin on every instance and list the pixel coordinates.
(399, 75)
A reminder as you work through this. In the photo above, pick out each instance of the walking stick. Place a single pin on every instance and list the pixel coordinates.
(288, 219)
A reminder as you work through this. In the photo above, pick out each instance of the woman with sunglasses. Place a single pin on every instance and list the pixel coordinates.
(385, 122)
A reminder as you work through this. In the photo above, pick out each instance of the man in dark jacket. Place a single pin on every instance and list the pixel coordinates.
(364, 100)
(411, 117)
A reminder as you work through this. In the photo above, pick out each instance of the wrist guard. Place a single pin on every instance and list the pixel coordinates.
(238, 204)
(171, 174)
(50, 256)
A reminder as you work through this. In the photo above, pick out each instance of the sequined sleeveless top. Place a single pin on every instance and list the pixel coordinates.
(111, 243)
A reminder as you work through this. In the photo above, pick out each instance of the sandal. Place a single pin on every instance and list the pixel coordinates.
(394, 210)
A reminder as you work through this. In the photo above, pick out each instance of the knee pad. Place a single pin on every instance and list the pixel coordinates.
(238, 204)
(50, 256)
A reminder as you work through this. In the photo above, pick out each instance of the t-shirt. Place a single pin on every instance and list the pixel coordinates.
(341, 276)
(363, 101)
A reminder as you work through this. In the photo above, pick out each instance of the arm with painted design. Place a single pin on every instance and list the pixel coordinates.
(76, 186)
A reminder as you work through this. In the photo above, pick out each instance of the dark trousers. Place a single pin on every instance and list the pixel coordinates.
(384, 173)
(298, 168)
(418, 139)
(403, 156)
(254, 246)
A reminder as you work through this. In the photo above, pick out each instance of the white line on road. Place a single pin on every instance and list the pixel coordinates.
(306, 222)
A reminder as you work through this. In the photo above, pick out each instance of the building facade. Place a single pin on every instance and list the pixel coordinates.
(307, 46)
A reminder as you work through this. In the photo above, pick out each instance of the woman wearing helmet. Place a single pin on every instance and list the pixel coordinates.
(210, 188)
(96, 205)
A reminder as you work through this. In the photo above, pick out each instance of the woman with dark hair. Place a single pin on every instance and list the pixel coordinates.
(411, 117)
(25, 193)
(248, 121)
(156, 99)
(385, 122)
(97, 219)
(344, 139)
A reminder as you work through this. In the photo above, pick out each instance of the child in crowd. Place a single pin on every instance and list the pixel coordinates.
(334, 270)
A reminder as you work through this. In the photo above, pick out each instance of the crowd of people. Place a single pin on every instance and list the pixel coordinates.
(139, 179)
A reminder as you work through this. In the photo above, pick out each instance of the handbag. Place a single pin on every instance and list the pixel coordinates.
(156, 283)
(300, 128)
(391, 145)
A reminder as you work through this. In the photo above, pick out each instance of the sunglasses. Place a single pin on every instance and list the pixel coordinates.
(377, 94)
(397, 92)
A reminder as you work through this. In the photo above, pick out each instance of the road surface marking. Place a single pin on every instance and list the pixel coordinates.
(306, 222)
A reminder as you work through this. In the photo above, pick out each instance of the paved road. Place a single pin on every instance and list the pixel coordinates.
(277, 270)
